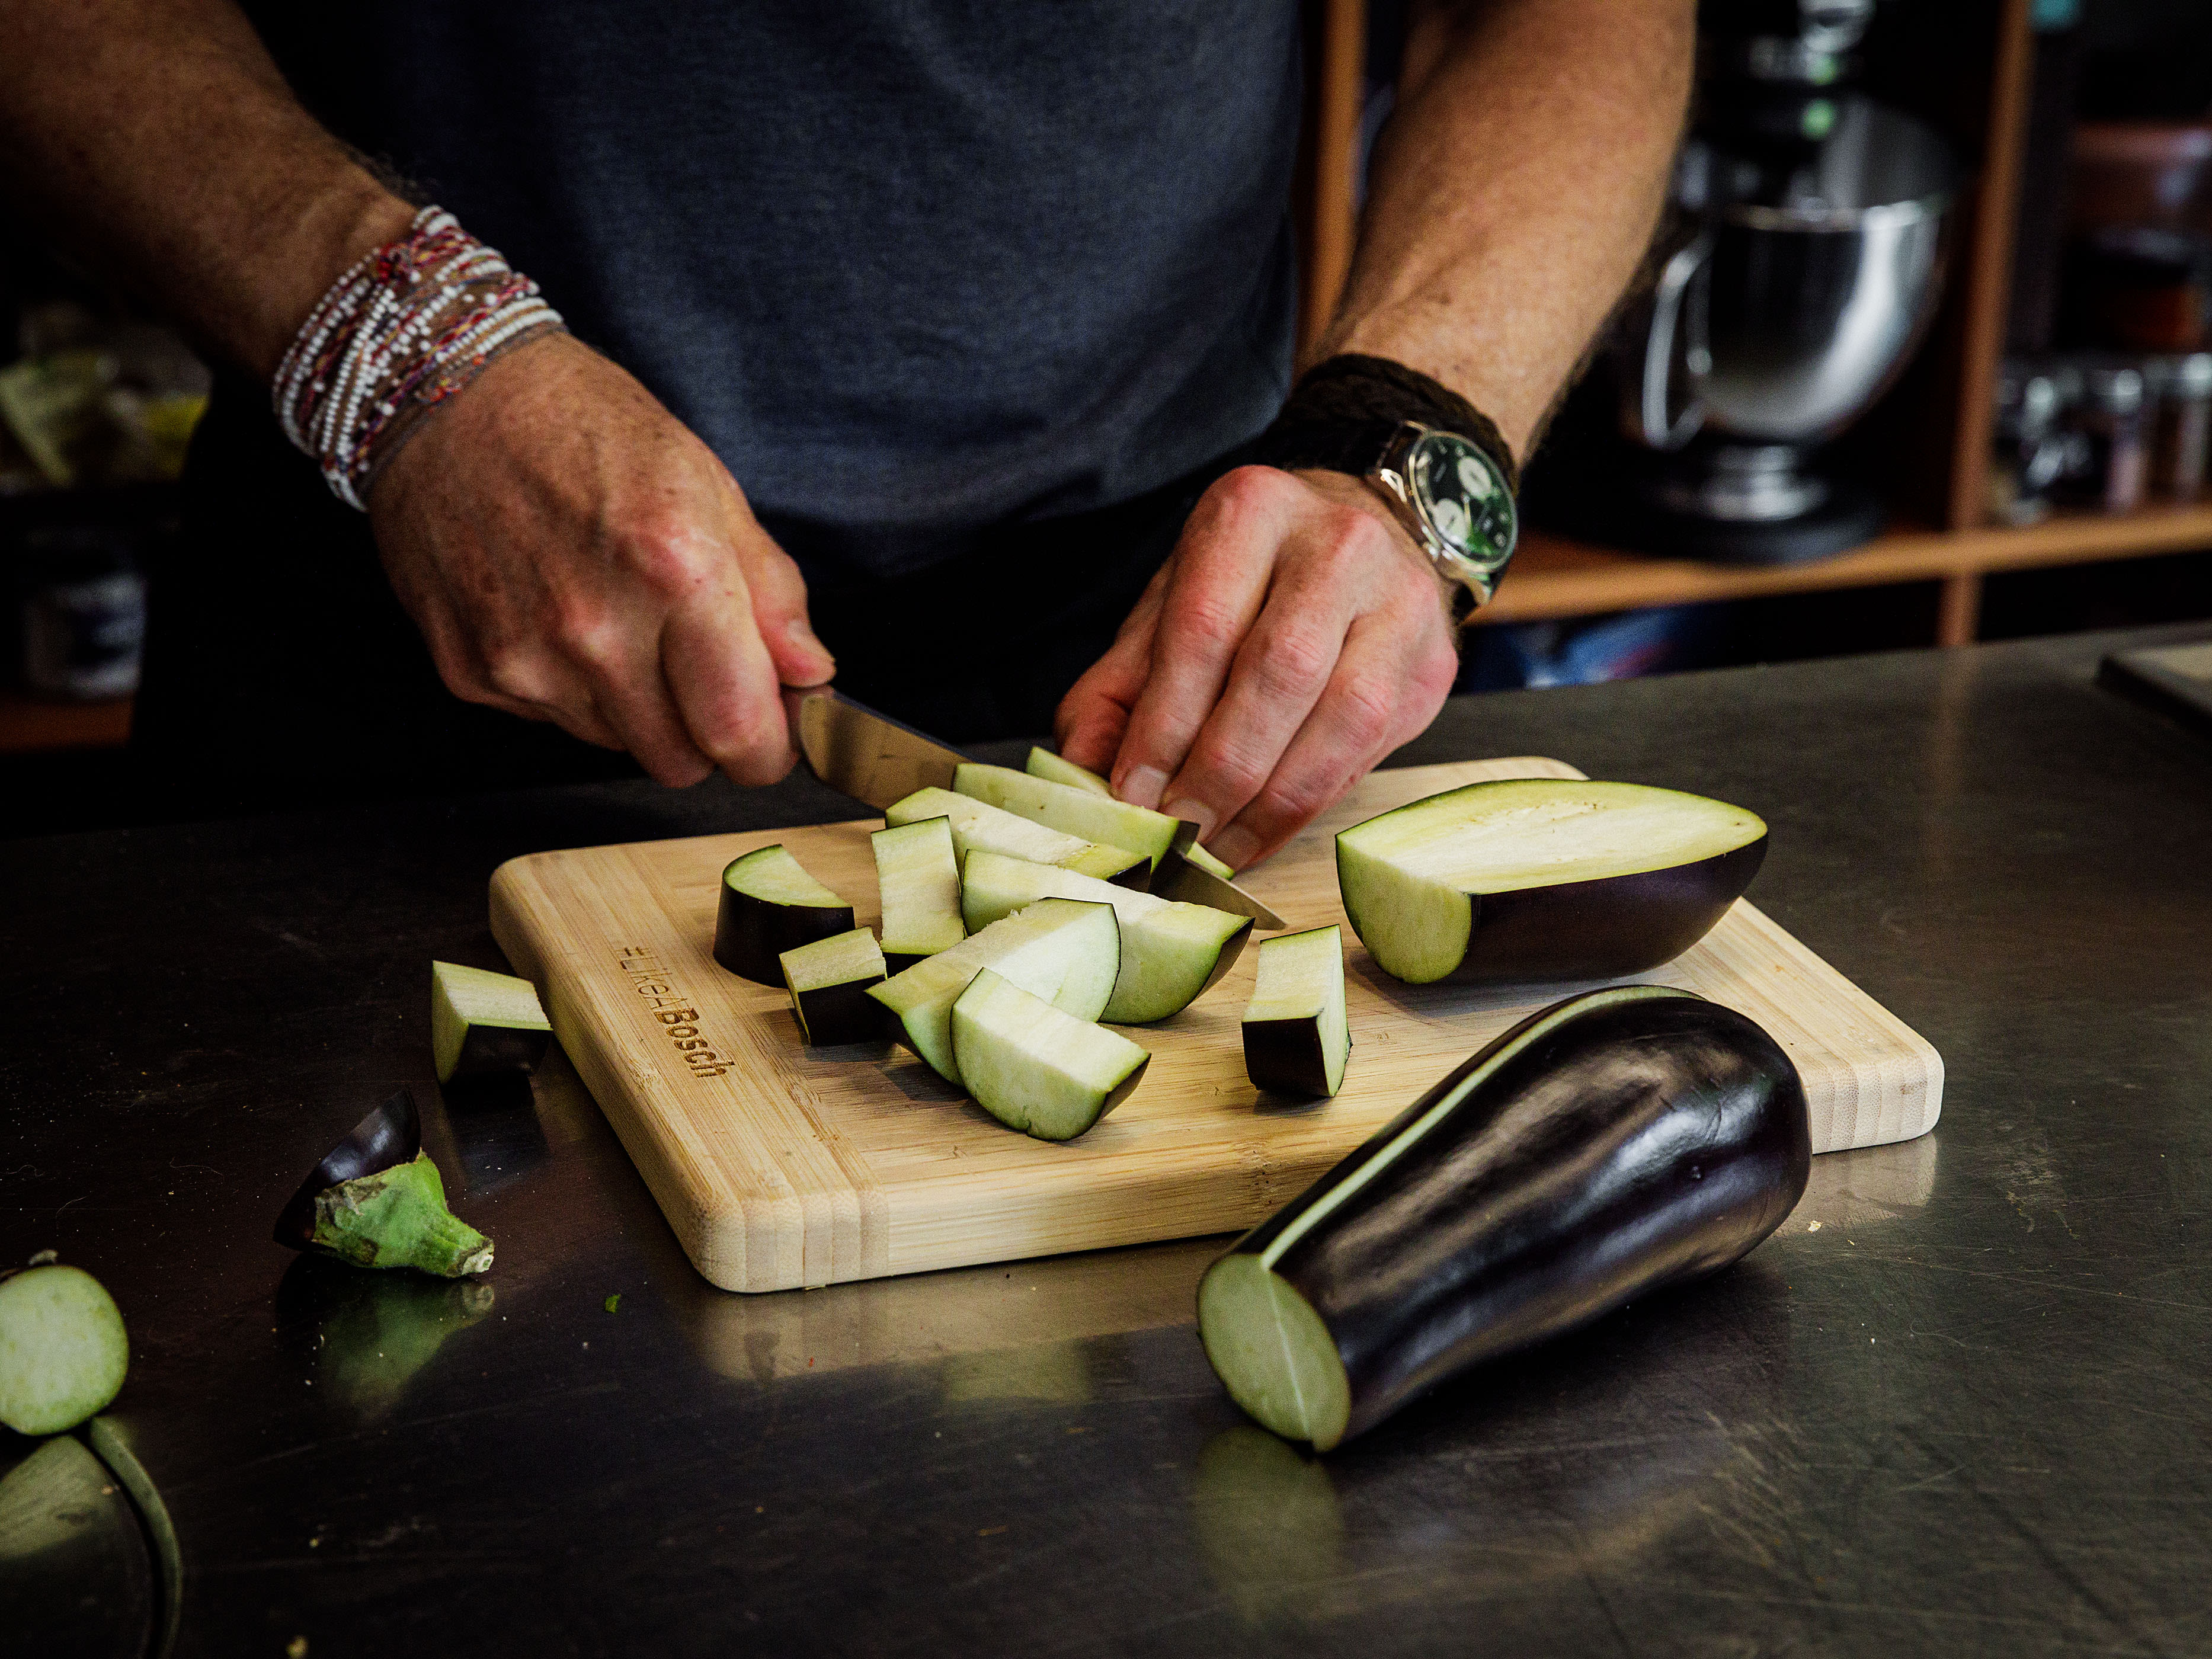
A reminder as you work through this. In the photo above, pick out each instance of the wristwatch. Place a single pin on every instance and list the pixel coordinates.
(1453, 501)
(1449, 493)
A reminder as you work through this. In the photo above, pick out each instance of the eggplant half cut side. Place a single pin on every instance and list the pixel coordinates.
(1618, 1140)
(771, 905)
(1528, 879)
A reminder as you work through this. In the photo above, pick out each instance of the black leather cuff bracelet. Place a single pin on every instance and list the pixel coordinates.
(1345, 409)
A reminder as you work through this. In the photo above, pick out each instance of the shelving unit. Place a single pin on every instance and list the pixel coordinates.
(29, 727)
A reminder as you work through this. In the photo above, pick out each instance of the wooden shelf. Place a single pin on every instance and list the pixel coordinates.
(29, 727)
(1553, 578)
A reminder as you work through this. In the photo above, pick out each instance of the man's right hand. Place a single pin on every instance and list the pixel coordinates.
(571, 553)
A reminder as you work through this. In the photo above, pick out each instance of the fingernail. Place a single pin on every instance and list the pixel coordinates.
(1192, 811)
(1235, 846)
(1142, 786)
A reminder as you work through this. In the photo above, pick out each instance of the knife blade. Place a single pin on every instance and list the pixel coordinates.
(875, 759)
(870, 756)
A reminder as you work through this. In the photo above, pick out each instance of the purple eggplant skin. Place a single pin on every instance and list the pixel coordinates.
(387, 1138)
(839, 1013)
(499, 1051)
(1604, 929)
(1285, 1056)
(752, 934)
(1645, 1136)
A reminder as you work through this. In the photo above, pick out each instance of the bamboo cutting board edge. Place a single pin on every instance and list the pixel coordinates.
(848, 1164)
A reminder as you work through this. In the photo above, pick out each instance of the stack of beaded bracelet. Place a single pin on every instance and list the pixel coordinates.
(407, 327)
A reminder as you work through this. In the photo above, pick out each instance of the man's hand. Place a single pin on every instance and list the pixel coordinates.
(1296, 637)
(571, 553)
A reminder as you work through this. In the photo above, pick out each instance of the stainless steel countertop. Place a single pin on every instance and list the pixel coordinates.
(1961, 1403)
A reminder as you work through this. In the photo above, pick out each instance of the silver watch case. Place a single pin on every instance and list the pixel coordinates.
(1454, 503)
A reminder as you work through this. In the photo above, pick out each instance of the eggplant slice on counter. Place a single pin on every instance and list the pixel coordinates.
(482, 1023)
(771, 905)
(63, 1348)
(830, 980)
(1617, 1141)
(918, 876)
(1528, 879)
(1296, 1037)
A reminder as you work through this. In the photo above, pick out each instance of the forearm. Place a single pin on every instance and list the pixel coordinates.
(156, 141)
(1513, 192)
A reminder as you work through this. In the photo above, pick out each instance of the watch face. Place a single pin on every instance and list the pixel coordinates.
(1459, 490)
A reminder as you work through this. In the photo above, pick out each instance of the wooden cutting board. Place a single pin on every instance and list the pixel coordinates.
(780, 1166)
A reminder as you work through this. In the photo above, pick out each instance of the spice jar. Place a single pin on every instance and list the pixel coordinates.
(2109, 421)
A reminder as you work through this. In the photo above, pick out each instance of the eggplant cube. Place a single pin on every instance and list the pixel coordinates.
(1077, 811)
(1528, 879)
(918, 875)
(482, 1023)
(1035, 1068)
(978, 824)
(771, 905)
(1065, 951)
(1296, 1037)
(829, 981)
(1170, 951)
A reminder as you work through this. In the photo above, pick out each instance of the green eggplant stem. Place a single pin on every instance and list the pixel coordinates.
(398, 1218)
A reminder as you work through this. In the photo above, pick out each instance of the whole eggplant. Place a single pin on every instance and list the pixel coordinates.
(1613, 1142)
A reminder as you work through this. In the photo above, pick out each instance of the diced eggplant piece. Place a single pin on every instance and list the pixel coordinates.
(1614, 1142)
(1206, 861)
(829, 981)
(771, 905)
(482, 1023)
(388, 1137)
(1296, 1038)
(63, 1350)
(979, 824)
(1074, 812)
(1044, 763)
(1170, 952)
(1066, 951)
(1528, 879)
(1035, 1068)
(918, 874)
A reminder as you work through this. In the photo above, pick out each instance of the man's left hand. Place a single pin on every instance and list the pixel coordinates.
(1295, 637)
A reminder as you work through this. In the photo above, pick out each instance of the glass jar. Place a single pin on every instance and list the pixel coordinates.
(2181, 424)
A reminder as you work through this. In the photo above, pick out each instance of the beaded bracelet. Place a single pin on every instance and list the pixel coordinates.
(403, 330)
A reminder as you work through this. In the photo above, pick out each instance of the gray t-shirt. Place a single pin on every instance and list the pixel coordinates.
(911, 270)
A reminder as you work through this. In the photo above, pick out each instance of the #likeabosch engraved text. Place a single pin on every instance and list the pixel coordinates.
(678, 1018)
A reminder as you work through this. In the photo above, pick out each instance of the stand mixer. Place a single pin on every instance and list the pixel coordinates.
(1806, 270)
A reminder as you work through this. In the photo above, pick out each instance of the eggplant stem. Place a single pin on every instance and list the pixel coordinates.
(398, 1218)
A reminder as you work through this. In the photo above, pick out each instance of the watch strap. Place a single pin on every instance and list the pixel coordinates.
(1345, 409)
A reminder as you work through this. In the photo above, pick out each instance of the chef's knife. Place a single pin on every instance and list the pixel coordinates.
(873, 758)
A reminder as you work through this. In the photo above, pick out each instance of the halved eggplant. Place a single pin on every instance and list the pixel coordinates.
(63, 1350)
(482, 1023)
(1036, 1068)
(1616, 1141)
(918, 874)
(830, 980)
(978, 823)
(1296, 1038)
(1065, 950)
(771, 905)
(1170, 952)
(1543, 878)
(1044, 763)
(1074, 812)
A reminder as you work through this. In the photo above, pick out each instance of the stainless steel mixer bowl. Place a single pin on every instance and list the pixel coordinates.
(1785, 318)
